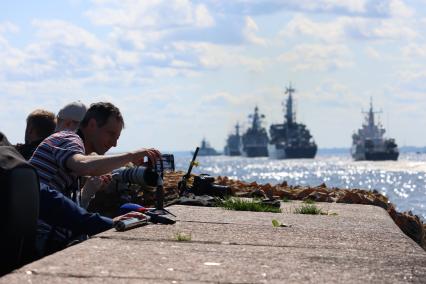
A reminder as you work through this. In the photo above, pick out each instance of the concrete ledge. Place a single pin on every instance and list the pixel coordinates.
(359, 244)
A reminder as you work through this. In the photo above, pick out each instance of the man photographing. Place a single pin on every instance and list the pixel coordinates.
(64, 156)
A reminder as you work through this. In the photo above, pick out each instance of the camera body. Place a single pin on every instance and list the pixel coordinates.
(166, 163)
(204, 185)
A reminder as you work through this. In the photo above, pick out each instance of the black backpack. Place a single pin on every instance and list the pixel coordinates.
(4, 141)
(19, 201)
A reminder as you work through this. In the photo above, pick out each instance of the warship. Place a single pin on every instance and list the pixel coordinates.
(233, 143)
(368, 143)
(290, 140)
(206, 149)
(255, 139)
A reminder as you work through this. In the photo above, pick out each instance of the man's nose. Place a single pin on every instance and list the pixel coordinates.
(113, 143)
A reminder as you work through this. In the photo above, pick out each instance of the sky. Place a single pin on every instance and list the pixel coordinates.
(183, 70)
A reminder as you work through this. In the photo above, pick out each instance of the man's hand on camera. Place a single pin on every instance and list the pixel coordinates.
(152, 155)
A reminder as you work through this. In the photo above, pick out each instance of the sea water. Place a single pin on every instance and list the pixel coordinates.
(402, 181)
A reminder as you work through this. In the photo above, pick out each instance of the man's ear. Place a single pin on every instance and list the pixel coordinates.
(92, 124)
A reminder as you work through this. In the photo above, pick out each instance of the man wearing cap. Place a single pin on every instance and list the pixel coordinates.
(70, 116)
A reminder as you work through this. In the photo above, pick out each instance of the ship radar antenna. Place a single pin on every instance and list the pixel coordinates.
(256, 118)
(290, 115)
(370, 114)
(289, 90)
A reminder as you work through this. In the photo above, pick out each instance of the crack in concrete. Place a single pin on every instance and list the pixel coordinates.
(222, 243)
(80, 276)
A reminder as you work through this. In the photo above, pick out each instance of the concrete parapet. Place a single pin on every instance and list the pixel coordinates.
(357, 243)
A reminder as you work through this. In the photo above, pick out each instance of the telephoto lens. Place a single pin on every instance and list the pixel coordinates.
(136, 175)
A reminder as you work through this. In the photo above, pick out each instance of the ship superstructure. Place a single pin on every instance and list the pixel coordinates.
(206, 149)
(290, 140)
(233, 143)
(255, 139)
(369, 143)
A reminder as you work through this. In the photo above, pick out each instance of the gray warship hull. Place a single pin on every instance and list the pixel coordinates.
(277, 151)
(375, 156)
(255, 151)
(207, 152)
(381, 156)
(232, 152)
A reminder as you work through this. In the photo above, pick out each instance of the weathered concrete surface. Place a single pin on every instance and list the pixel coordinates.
(359, 244)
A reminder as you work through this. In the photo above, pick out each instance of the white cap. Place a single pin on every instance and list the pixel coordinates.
(74, 111)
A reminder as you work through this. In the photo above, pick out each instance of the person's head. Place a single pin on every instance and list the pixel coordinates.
(70, 116)
(101, 127)
(40, 124)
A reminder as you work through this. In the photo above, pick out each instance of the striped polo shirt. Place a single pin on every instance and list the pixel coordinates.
(50, 158)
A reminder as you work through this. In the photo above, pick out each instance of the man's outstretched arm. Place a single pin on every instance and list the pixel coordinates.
(92, 165)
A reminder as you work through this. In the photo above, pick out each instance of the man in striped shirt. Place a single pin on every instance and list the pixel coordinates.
(64, 156)
(50, 160)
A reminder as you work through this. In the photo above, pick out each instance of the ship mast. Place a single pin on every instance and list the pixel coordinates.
(290, 116)
(256, 119)
(237, 129)
(372, 130)
(371, 113)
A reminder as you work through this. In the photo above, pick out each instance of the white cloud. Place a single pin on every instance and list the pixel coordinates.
(351, 6)
(397, 8)
(373, 53)
(414, 50)
(385, 29)
(58, 31)
(250, 30)
(327, 31)
(181, 64)
(333, 93)
(213, 56)
(362, 8)
(203, 18)
(8, 27)
(62, 51)
(222, 96)
(170, 72)
(318, 57)
(347, 28)
(158, 14)
(412, 80)
(127, 58)
(12, 59)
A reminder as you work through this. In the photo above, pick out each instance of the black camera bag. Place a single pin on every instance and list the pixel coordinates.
(19, 201)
